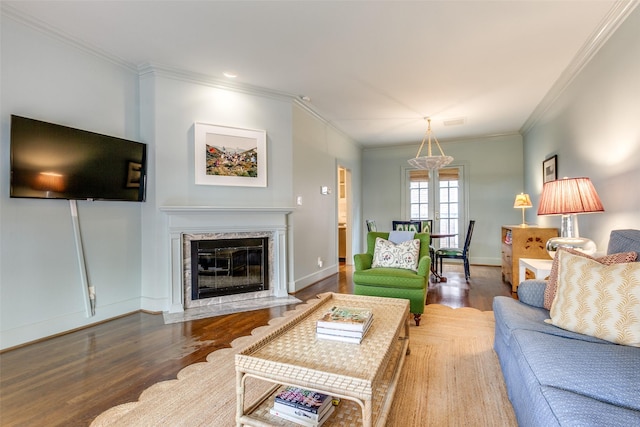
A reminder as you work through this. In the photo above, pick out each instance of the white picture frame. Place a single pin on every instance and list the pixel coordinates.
(230, 156)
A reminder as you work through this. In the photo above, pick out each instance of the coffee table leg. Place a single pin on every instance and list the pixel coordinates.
(367, 414)
(406, 334)
(239, 397)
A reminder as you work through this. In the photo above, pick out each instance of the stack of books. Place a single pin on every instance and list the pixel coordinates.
(344, 324)
(304, 407)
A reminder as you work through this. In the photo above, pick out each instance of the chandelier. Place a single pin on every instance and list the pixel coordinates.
(429, 161)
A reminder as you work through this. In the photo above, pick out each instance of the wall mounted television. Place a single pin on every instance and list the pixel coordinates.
(51, 161)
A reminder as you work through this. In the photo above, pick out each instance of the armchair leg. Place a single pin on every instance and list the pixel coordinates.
(416, 317)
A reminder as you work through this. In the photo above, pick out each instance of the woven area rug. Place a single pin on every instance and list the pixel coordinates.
(451, 378)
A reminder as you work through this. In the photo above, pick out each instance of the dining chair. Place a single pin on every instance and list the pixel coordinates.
(414, 226)
(458, 253)
(371, 225)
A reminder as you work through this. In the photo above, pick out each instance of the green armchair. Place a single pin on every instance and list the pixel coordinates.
(394, 282)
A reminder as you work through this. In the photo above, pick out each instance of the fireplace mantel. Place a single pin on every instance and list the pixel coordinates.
(213, 219)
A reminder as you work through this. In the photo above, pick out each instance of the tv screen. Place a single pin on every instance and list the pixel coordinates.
(51, 161)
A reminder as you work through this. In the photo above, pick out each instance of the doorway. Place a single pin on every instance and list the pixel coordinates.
(439, 195)
(344, 216)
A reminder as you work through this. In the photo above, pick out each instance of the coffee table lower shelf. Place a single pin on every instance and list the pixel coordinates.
(350, 412)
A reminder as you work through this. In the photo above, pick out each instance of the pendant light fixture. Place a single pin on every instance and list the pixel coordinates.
(429, 161)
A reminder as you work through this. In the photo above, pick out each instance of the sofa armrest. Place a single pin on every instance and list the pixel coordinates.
(531, 292)
(424, 266)
(362, 261)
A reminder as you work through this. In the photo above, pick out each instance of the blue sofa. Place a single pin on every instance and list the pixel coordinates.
(555, 377)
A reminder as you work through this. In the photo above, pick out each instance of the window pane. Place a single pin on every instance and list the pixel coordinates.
(415, 196)
(444, 195)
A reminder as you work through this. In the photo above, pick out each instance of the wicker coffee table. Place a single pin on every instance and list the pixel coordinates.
(363, 375)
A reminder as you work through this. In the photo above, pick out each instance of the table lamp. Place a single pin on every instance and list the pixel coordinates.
(49, 182)
(569, 197)
(522, 201)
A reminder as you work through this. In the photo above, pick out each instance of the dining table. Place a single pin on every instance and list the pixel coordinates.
(434, 270)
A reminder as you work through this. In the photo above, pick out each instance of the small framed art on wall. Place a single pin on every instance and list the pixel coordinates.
(550, 169)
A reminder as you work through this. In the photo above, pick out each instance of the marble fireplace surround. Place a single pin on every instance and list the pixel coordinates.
(186, 223)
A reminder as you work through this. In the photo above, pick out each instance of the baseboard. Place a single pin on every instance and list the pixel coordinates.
(303, 282)
(64, 324)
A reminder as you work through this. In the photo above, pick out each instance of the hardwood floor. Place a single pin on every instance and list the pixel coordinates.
(70, 379)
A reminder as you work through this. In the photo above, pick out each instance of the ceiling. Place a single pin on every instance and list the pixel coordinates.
(373, 69)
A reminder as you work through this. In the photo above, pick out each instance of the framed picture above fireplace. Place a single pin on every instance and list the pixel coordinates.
(230, 156)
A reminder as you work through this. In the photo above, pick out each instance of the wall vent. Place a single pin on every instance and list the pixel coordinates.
(454, 121)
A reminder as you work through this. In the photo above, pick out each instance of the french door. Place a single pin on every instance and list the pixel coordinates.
(439, 196)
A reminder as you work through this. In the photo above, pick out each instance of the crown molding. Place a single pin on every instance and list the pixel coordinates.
(609, 24)
(147, 70)
(471, 138)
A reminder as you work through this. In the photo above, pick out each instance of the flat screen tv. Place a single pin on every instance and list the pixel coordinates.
(51, 161)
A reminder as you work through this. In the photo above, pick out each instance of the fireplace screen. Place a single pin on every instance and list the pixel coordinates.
(228, 266)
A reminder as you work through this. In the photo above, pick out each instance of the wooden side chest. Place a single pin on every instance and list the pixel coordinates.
(522, 242)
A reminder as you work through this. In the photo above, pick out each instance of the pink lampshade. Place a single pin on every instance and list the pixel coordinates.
(49, 181)
(569, 196)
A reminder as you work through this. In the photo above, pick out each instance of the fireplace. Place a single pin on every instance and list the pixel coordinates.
(186, 224)
(229, 266)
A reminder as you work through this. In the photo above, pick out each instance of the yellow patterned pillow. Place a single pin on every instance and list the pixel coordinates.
(598, 300)
(552, 283)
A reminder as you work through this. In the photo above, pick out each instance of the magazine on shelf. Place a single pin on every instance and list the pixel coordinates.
(310, 402)
(306, 422)
(301, 413)
(346, 318)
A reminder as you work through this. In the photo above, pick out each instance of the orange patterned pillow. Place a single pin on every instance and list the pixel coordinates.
(552, 283)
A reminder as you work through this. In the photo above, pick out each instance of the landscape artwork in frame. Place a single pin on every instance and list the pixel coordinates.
(549, 169)
(230, 156)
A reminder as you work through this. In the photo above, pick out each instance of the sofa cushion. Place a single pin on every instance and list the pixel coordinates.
(598, 300)
(404, 255)
(512, 315)
(601, 371)
(552, 283)
(576, 410)
(531, 292)
(624, 241)
(389, 277)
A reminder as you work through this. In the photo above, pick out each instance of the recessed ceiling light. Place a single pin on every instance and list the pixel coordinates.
(230, 75)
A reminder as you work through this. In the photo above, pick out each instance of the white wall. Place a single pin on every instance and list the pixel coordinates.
(594, 128)
(493, 169)
(40, 284)
(318, 150)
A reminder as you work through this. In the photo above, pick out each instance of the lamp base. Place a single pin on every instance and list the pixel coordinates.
(581, 244)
